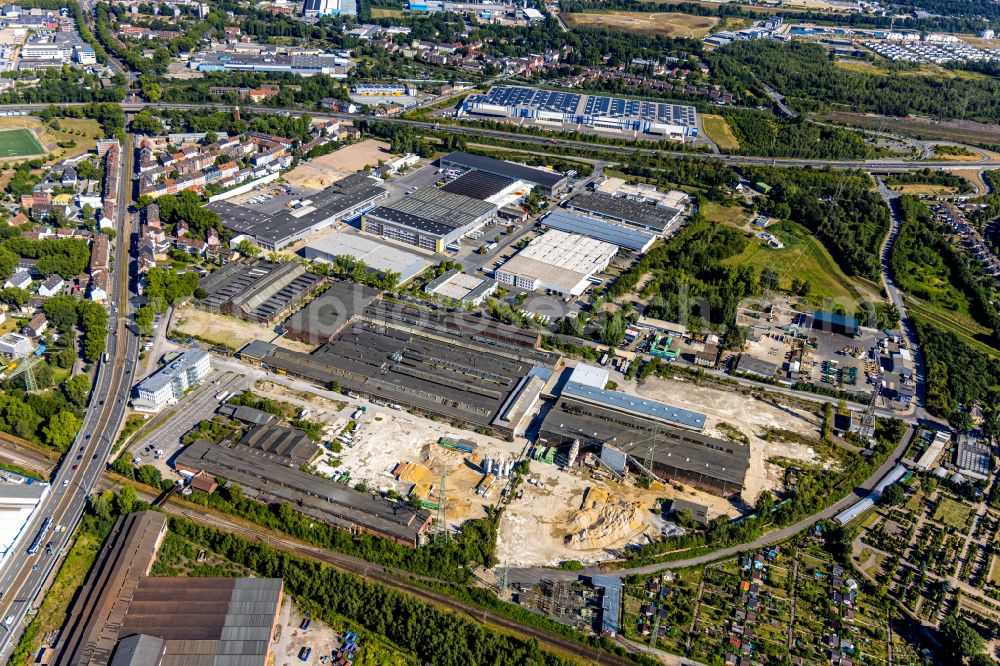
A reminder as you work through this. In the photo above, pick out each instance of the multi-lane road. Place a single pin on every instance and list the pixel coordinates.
(23, 576)
(883, 165)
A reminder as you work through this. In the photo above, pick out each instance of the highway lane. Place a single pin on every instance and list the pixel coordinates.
(882, 165)
(23, 576)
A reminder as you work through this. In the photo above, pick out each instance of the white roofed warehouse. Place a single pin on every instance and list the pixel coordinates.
(557, 261)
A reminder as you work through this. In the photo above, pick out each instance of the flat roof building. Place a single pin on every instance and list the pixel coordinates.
(290, 444)
(375, 254)
(343, 200)
(19, 497)
(831, 322)
(568, 110)
(649, 216)
(624, 237)
(459, 286)
(548, 182)
(171, 381)
(429, 218)
(557, 261)
(271, 477)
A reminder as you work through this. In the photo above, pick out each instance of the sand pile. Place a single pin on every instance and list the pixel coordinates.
(604, 520)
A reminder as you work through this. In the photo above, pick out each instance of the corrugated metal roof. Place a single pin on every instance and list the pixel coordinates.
(630, 239)
(635, 404)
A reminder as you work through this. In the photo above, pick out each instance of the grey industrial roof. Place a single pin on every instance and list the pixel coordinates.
(325, 314)
(434, 211)
(322, 498)
(501, 168)
(619, 208)
(259, 291)
(257, 349)
(630, 239)
(610, 601)
(247, 414)
(699, 512)
(636, 405)
(287, 445)
(479, 184)
(138, 650)
(756, 366)
(333, 202)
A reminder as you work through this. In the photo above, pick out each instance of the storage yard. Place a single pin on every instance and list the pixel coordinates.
(751, 417)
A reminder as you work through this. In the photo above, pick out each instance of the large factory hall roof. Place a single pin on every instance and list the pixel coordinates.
(636, 405)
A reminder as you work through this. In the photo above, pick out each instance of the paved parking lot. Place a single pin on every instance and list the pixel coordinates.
(193, 408)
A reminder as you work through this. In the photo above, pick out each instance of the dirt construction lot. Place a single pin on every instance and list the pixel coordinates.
(751, 416)
(669, 24)
(571, 516)
(322, 171)
(388, 440)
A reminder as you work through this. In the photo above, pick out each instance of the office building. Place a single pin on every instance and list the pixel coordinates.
(170, 382)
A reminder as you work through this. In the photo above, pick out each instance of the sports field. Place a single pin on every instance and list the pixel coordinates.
(671, 24)
(19, 143)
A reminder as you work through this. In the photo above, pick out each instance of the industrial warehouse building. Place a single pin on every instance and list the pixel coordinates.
(831, 322)
(269, 476)
(461, 287)
(429, 218)
(124, 617)
(491, 188)
(455, 365)
(559, 262)
(566, 110)
(326, 315)
(622, 427)
(260, 291)
(376, 255)
(345, 199)
(650, 216)
(548, 182)
(624, 237)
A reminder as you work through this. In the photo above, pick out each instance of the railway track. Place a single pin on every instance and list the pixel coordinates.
(392, 578)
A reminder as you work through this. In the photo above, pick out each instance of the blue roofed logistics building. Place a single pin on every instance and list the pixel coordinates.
(831, 322)
(578, 110)
(601, 419)
(634, 240)
(611, 598)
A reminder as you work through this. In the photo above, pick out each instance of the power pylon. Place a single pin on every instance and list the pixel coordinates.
(442, 521)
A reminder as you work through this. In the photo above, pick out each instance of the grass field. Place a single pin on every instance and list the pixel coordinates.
(995, 570)
(962, 326)
(921, 128)
(82, 132)
(952, 513)
(19, 143)
(386, 12)
(715, 212)
(923, 189)
(719, 131)
(802, 258)
(669, 23)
